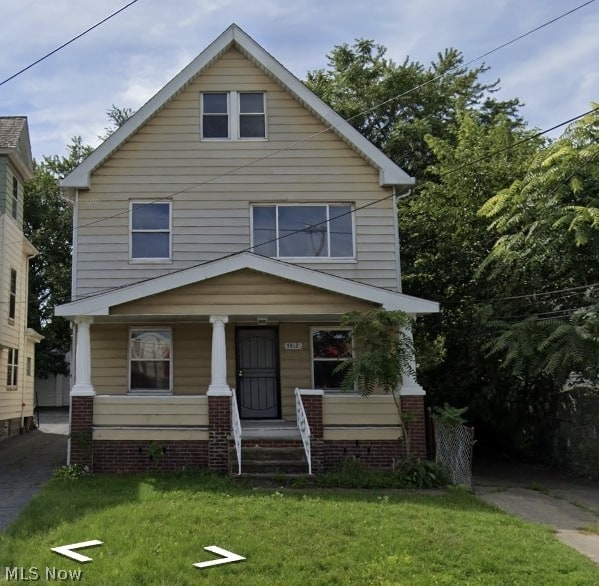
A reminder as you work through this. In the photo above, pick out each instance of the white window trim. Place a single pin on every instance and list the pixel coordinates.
(233, 114)
(312, 359)
(149, 392)
(151, 260)
(308, 259)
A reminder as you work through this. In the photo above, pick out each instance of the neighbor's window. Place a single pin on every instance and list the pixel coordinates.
(15, 197)
(304, 231)
(13, 368)
(150, 230)
(329, 349)
(12, 299)
(233, 115)
(150, 360)
(29, 366)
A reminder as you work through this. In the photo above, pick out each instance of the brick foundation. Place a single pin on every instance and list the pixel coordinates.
(219, 415)
(82, 415)
(414, 405)
(149, 456)
(374, 454)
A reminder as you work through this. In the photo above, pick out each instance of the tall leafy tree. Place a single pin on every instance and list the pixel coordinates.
(396, 105)
(547, 237)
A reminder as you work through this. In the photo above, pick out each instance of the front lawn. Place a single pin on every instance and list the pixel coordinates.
(155, 528)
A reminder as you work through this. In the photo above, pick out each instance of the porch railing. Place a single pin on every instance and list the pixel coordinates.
(236, 428)
(304, 427)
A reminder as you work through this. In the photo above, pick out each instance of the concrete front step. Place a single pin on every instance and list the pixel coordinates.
(270, 460)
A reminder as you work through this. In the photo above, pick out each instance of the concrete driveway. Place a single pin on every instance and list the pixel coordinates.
(27, 461)
(541, 495)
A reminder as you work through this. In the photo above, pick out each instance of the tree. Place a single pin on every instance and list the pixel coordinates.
(384, 354)
(547, 238)
(396, 106)
(48, 225)
(118, 117)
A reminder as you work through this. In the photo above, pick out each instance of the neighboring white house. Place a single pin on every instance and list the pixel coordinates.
(17, 341)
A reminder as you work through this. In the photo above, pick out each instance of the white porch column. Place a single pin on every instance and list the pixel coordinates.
(410, 386)
(83, 385)
(218, 380)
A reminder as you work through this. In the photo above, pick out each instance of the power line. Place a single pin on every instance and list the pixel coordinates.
(91, 28)
(352, 211)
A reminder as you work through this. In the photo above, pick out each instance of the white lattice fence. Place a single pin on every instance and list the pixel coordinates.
(454, 450)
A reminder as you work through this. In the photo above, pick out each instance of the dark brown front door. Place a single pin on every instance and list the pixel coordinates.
(258, 393)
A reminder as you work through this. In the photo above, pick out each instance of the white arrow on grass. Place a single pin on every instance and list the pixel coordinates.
(67, 550)
(228, 557)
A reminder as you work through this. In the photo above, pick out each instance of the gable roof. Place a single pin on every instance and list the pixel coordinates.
(389, 173)
(101, 304)
(14, 142)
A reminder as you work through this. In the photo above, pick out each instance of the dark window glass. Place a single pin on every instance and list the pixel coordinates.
(340, 226)
(265, 231)
(251, 103)
(215, 119)
(150, 245)
(329, 349)
(150, 216)
(150, 236)
(215, 103)
(12, 300)
(303, 231)
(252, 126)
(150, 353)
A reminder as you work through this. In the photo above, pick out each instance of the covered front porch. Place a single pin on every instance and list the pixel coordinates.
(187, 372)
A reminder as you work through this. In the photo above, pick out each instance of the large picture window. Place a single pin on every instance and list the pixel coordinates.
(12, 372)
(150, 356)
(150, 230)
(303, 231)
(233, 115)
(329, 349)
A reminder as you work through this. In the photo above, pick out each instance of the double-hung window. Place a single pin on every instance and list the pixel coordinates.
(303, 231)
(330, 347)
(233, 115)
(12, 378)
(150, 230)
(150, 355)
(12, 298)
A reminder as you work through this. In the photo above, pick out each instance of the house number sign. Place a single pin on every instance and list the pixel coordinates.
(293, 345)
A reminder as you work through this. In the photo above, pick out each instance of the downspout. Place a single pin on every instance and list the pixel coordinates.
(75, 203)
(396, 198)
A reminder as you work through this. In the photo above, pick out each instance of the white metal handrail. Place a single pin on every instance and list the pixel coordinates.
(236, 428)
(304, 427)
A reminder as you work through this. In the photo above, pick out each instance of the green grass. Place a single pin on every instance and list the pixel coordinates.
(155, 528)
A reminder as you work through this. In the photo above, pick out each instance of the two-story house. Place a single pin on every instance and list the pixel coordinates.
(17, 342)
(219, 236)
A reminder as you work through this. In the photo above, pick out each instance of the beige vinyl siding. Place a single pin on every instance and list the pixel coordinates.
(352, 417)
(19, 401)
(296, 367)
(222, 178)
(191, 357)
(244, 292)
(150, 418)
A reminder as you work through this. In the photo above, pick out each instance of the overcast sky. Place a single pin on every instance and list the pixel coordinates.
(555, 71)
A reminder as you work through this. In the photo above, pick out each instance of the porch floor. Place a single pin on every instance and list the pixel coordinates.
(269, 429)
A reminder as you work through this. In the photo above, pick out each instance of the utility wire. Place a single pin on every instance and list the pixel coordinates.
(352, 211)
(91, 28)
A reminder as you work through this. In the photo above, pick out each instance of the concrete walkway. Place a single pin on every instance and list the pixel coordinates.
(27, 462)
(541, 495)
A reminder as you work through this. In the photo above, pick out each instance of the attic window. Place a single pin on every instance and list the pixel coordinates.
(233, 115)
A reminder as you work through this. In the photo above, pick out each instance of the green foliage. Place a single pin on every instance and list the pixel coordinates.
(384, 350)
(71, 472)
(450, 415)
(378, 97)
(412, 473)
